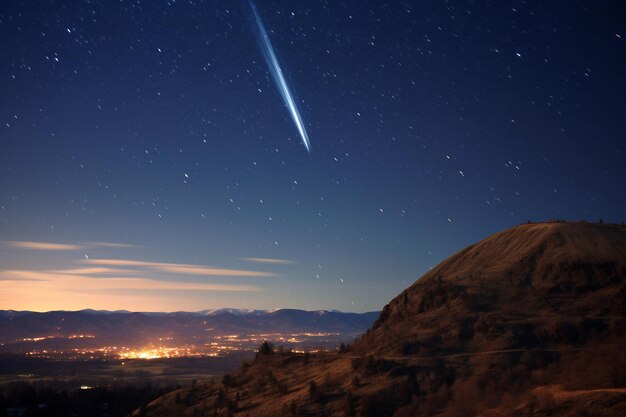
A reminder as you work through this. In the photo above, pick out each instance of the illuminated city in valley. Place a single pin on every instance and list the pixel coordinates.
(161, 348)
(123, 336)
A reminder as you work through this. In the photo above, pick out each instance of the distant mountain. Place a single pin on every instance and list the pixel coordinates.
(528, 322)
(91, 311)
(235, 311)
(134, 328)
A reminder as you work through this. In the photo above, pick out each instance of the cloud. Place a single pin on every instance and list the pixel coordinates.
(207, 271)
(270, 261)
(65, 247)
(184, 269)
(17, 275)
(152, 284)
(122, 284)
(96, 271)
(112, 245)
(44, 275)
(43, 281)
(43, 246)
(118, 262)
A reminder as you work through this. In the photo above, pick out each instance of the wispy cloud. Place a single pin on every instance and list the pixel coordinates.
(207, 271)
(18, 244)
(96, 271)
(43, 246)
(138, 294)
(117, 262)
(112, 245)
(20, 275)
(41, 281)
(270, 261)
(184, 269)
(120, 283)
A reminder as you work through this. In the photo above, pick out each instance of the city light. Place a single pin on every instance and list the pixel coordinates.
(161, 347)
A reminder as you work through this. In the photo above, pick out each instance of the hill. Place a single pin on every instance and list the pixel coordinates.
(531, 286)
(528, 321)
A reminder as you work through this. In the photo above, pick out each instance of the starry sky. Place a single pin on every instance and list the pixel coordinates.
(148, 161)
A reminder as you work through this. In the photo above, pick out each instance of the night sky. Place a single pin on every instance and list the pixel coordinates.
(148, 160)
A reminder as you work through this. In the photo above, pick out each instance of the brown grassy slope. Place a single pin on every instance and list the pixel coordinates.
(534, 285)
(526, 322)
(280, 385)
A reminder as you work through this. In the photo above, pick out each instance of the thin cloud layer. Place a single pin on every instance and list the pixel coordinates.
(43, 246)
(42, 291)
(96, 271)
(270, 261)
(184, 269)
(112, 245)
(45, 280)
(29, 245)
(113, 283)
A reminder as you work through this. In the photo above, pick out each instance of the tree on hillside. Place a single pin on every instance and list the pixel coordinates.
(266, 348)
(314, 393)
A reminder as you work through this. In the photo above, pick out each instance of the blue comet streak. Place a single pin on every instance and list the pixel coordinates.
(279, 78)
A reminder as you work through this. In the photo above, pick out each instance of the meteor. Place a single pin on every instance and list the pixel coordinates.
(279, 78)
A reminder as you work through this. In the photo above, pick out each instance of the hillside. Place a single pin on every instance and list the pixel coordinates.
(530, 286)
(528, 321)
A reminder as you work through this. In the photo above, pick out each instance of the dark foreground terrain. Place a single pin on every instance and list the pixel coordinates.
(36, 386)
(528, 322)
(49, 399)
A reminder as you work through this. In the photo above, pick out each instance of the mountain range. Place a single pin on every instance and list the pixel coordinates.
(135, 329)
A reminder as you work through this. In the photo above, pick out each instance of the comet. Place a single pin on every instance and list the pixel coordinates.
(279, 78)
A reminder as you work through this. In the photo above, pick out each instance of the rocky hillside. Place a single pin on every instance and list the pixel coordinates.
(528, 322)
(534, 285)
